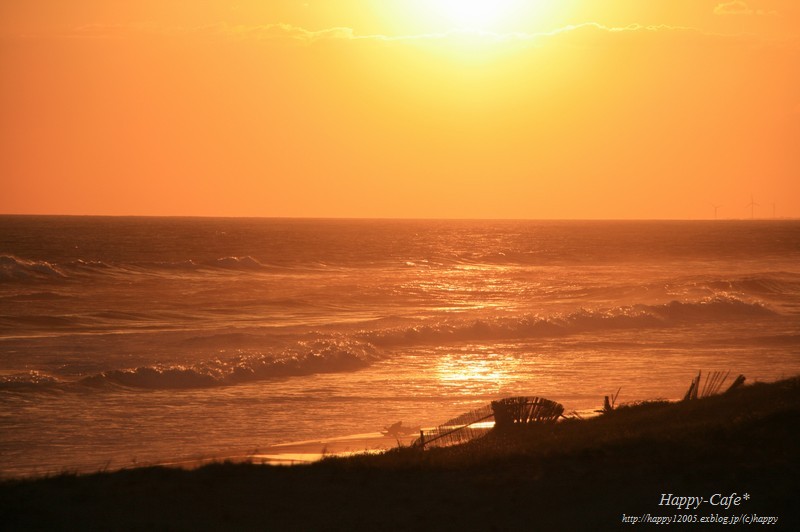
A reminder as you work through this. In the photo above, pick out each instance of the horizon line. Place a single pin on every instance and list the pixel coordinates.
(395, 218)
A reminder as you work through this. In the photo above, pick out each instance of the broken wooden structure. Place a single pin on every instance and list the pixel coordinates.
(499, 414)
(711, 386)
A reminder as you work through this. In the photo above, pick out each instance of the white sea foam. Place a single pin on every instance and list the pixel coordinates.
(209, 334)
(16, 269)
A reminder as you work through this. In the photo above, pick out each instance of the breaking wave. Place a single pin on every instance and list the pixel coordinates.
(350, 353)
(535, 326)
(238, 263)
(777, 284)
(30, 380)
(16, 269)
(223, 263)
(321, 356)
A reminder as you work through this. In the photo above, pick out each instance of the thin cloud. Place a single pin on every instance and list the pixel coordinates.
(280, 32)
(264, 32)
(739, 7)
(582, 35)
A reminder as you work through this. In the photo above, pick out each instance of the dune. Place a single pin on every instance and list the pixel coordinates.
(736, 453)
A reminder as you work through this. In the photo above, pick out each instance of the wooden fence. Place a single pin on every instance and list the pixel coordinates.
(500, 414)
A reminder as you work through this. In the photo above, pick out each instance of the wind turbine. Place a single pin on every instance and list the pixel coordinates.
(752, 206)
(716, 208)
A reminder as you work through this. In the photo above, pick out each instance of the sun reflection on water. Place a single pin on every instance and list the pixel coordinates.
(469, 286)
(480, 372)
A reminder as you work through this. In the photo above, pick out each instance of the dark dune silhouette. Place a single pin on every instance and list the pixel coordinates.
(575, 475)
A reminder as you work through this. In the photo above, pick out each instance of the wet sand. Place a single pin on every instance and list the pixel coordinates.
(593, 474)
(305, 452)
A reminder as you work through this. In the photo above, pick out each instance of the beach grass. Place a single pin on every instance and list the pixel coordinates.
(573, 475)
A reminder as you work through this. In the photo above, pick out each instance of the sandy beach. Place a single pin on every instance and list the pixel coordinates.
(734, 454)
(304, 452)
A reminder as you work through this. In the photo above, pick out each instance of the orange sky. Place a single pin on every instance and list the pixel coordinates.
(400, 108)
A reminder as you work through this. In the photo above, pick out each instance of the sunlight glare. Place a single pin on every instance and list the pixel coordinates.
(475, 14)
(481, 371)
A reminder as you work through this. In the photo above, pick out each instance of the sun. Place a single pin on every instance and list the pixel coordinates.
(475, 14)
(490, 16)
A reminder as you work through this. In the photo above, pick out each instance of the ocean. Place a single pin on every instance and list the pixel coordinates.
(127, 341)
